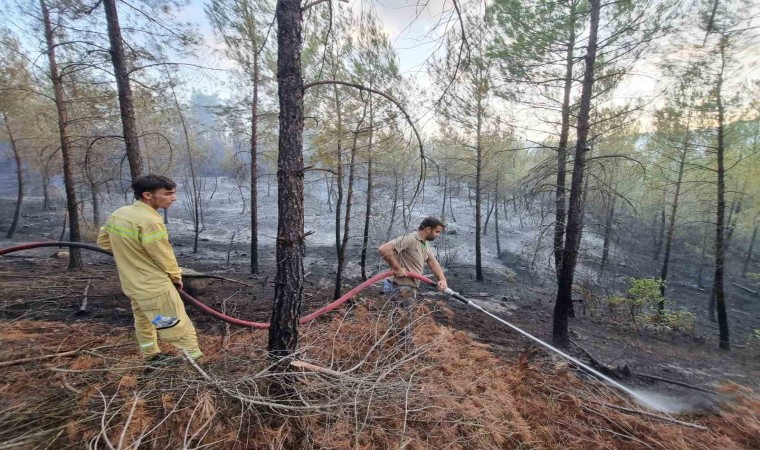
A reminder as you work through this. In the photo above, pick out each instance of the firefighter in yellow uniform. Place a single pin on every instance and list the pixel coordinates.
(148, 270)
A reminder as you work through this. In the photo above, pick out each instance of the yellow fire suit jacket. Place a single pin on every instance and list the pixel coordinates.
(140, 244)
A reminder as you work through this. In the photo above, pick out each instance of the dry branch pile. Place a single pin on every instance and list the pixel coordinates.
(71, 385)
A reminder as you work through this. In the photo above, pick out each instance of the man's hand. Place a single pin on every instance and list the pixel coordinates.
(179, 284)
(443, 285)
(399, 272)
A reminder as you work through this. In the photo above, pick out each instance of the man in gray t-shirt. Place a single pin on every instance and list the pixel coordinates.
(409, 252)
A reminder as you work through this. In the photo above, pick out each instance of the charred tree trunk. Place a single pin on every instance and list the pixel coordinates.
(347, 218)
(339, 173)
(496, 219)
(733, 218)
(479, 189)
(451, 210)
(45, 195)
(607, 233)
(329, 183)
(394, 205)
(563, 303)
(196, 194)
(661, 232)
(672, 224)
(95, 205)
(75, 255)
(720, 300)
(121, 73)
(749, 251)
(560, 202)
(445, 189)
(489, 208)
(702, 258)
(368, 206)
(19, 179)
(255, 169)
(288, 286)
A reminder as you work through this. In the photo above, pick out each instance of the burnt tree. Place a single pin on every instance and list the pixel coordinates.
(75, 255)
(121, 73)
(288, 289)
(573, 229)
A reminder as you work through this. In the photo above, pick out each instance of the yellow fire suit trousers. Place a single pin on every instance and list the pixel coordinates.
(182, 335)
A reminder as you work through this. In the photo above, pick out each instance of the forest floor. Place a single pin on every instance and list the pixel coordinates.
(40, 316)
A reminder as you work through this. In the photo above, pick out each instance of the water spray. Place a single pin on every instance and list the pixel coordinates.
(652, 401)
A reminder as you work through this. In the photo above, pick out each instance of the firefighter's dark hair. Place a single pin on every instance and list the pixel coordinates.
(151, 183)
(431, 222)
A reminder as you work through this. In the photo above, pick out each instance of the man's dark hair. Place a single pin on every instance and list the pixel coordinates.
(431, 222)
(151, 183)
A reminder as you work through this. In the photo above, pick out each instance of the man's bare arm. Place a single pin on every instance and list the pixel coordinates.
(388, 253)
(438, 272)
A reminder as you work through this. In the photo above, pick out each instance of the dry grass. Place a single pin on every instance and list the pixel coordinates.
(447, 392)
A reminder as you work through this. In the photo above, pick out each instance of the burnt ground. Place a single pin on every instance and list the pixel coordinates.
(36, 285)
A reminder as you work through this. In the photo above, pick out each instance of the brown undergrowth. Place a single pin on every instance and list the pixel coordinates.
(364, 389)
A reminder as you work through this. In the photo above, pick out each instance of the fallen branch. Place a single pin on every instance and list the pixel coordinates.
(83, 305)
(203, 275)
(677, 383)
(649, 414)
(315, 368)
(744, 288)
(744, 312)
(594, 362)
(54, 355)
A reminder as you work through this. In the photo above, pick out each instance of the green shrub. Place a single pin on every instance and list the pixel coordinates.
(671, 320)
(642, 294)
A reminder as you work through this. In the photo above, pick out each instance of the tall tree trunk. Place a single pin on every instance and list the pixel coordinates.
(607, 233)
(75, 256)
(347, 219)
(255, 169)
(288, 286)
(121, 73)
(339, 172)
(702, 258)
(368, 206)
(329, 183)
(479, 190)
(672, 223)
(560, 202)
(489, 208)
(19, 179)
(749, 251)
(445, 188)
(451, 209)
(496, 219)
(196, 195)
(720, 300)
(661, 233)
(95, 205)
(733, 218)
(563, 303)
(393, 205)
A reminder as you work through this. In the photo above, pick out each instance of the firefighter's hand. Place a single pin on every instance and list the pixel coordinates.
(400, 272)
(442, 285)
(179, 284)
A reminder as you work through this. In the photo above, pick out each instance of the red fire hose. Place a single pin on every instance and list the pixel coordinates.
(214, 312)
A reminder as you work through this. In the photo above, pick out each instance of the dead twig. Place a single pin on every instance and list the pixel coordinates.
(653, 415)
(54, 355)
(83, 305)
(677, 383)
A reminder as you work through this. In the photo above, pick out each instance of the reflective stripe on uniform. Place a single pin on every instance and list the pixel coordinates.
(155, 236)
(122, 231)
